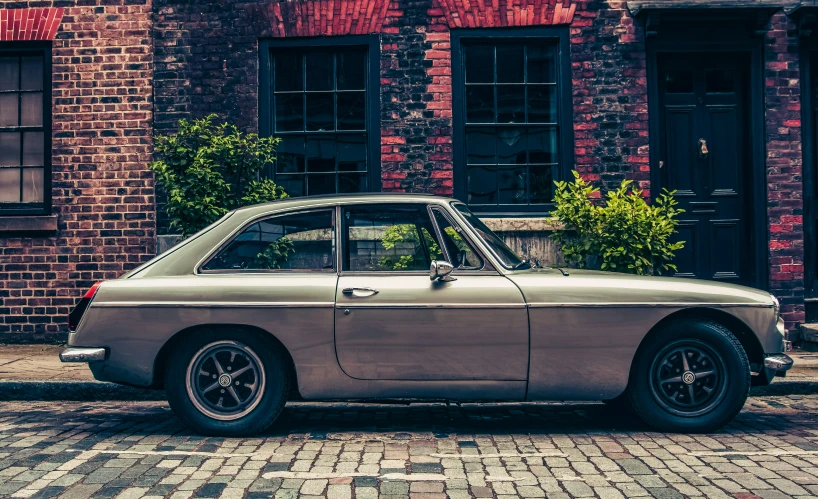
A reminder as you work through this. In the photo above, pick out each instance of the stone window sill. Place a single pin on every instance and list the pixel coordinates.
(23, 223)
(540, 224)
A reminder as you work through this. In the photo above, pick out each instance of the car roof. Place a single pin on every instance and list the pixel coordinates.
(329, 199)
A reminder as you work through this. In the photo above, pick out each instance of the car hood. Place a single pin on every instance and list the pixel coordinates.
(547, 285)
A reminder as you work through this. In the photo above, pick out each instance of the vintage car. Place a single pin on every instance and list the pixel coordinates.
(396, 296)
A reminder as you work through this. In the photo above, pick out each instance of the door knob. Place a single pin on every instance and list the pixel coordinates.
(703, 152)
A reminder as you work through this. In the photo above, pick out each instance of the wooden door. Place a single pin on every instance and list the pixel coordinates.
(704, 156)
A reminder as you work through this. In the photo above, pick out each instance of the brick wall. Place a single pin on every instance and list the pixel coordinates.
(102, 193)
(784, 167)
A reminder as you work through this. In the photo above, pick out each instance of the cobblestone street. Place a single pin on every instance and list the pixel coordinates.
(139, 449)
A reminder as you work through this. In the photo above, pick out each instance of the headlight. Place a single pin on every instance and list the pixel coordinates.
(776, 306)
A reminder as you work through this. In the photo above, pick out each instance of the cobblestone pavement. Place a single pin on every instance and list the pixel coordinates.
(139, 449)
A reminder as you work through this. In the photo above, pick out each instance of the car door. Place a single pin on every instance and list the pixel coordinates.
(393, 323)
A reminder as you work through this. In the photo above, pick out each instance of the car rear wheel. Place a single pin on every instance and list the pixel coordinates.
(693, 376)
(227, 382)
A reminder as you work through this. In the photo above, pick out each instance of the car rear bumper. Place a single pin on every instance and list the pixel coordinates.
(83, 354)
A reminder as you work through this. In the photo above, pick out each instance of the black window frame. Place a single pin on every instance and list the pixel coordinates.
(372, 119)
(560, 37)
(18, 49)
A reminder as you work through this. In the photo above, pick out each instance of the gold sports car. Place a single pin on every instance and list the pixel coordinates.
(391, 296)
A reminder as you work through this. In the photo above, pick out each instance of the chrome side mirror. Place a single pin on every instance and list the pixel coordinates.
(440, 271)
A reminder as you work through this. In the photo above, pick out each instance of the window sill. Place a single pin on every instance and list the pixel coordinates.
(539, 224)
(22, 223)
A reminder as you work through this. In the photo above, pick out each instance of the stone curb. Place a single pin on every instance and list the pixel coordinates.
(96, 391)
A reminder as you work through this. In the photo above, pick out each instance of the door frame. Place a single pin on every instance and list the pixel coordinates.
(757, 227)
(807, 47)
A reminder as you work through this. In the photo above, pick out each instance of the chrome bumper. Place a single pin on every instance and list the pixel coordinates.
(778, 362)
(75, 354)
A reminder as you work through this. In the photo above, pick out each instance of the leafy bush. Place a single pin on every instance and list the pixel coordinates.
(625, 234)
(208, 169)
(275, 255)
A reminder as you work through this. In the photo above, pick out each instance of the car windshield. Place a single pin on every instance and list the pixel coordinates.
(507, 257)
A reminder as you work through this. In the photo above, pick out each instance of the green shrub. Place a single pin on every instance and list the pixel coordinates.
(624, 234)
(208, 169)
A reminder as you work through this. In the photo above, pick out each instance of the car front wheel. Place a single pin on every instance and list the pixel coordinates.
(692, 376)
(227, 382)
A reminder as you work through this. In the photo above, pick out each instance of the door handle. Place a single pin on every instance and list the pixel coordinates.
(703, 152)
(360, 292)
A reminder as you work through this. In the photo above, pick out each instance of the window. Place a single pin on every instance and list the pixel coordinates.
(461, 254)
(317, 101)
(25, 139)
(507, 257)
(299, 241)
(389, 238)
(513, 123)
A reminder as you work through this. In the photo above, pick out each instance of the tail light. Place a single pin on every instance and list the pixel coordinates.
(76, 315)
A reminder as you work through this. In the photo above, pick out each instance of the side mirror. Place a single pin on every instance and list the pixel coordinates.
(440, 270)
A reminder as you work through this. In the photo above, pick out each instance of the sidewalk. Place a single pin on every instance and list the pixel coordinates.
(34, 372)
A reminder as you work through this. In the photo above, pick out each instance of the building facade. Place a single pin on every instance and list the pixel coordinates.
(489, 101)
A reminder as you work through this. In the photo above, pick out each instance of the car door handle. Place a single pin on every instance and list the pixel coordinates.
(361, 292)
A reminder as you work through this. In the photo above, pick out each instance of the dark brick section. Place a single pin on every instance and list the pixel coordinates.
(102, 193)
(784, 168)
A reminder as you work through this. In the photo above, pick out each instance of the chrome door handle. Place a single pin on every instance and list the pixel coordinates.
(362, 292)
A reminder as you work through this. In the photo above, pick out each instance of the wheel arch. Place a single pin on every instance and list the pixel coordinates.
(743, 332)
(160, 363)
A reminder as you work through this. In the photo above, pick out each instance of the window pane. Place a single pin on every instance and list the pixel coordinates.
(479, 61)
(511, 180)
(541, 64)
(510, 64)
(480, 104)
(352, 153)
(321, 184)
(33, 149)
(32, 112)
(388, 238)
(679, 81)
(461, 251)
(9, 73)
(10, 149)
(720, 80)
(510, 104)
(351, 70)
(482, 184)
(542, 181)
(9, 109)
(480, 146)
(289, 112)
(9, 185)
(320, 112)
(294, 242)
(319, 71)
(542, 104)
(352, 182)
(33, 185)
(31, 73)
(289, 72)
(511, 146)
(293, 185)
(321, 155)
(290, 155)
(542, 145)
(351, 108)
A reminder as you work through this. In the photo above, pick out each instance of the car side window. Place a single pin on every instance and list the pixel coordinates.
(389, 238)
(298, 241)
(461, 252)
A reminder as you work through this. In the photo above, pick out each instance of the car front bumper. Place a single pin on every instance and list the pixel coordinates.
(779, 362)
(82, 354)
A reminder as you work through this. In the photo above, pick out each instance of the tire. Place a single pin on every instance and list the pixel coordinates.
(678, 395)
(212, 402)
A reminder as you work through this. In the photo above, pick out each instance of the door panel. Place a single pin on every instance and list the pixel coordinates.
(474, 328)
(704, 157)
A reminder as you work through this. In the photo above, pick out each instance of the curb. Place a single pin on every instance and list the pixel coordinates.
(75, 391)
(98, 391)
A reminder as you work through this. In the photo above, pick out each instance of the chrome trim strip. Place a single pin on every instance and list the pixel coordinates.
(210, 304)
(427, 306)
(645, 305)
(75, 354)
